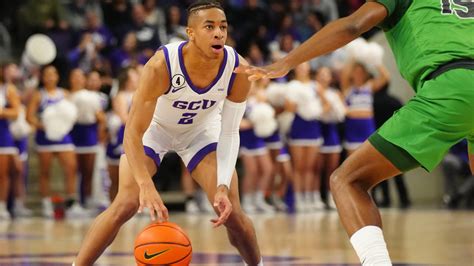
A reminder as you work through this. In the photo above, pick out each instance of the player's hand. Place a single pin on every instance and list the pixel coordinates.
(277, 70)
(223, 205)
(149, 198)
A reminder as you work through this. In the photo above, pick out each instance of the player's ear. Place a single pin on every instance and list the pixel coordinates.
(190, 33)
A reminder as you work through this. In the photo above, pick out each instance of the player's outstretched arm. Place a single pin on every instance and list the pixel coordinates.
(154, 81)
(229, 142)
(331, 37)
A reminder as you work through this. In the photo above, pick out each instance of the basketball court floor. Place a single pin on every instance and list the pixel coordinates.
(415, 237)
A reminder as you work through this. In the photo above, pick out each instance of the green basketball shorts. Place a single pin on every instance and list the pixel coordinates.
(440, 115)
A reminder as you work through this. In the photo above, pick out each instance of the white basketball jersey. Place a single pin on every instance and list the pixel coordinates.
(185, 106)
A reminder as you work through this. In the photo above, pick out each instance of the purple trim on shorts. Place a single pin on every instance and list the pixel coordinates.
(168, 65)
(232, 77)
(186, 76)
(197, 158)
(152, 154)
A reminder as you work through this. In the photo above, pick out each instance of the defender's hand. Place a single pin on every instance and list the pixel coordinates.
(276, 70)
(149, 198)
(223, 205)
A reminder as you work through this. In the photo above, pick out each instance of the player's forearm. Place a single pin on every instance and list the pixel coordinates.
(337, 34)
(229, 141)
(133, 147)
(331, 37)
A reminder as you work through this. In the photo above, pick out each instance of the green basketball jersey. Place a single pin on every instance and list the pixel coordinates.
(425, 34)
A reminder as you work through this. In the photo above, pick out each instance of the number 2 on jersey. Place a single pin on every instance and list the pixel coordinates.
(462, 8)
(187, 118)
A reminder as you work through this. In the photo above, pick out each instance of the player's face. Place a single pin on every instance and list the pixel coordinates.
(209, 31)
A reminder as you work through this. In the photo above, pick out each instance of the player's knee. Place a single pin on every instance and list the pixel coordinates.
(123, 210)
(337, 180)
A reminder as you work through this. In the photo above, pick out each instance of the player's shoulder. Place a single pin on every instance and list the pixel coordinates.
(157, 63)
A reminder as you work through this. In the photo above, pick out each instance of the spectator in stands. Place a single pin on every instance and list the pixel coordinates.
(175, 30)
(118, 17)
(155, 16)
(147, 35)
(127, 55)
(77, 10)
(327, 7)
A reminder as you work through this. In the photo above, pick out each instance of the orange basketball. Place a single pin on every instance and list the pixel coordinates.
(163, 244)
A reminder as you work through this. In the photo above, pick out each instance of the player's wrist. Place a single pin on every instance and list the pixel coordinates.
(222, 188)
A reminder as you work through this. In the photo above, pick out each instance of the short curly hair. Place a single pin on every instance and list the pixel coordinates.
(201, 5)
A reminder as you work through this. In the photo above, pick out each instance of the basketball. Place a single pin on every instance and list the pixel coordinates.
(163, 244)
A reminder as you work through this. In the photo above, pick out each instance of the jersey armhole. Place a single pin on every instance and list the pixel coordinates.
(168, 65)
(232, 77)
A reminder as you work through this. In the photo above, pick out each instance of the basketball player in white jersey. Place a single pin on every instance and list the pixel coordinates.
(188, 100)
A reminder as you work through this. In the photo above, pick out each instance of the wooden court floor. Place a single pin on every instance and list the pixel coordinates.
(415, 237)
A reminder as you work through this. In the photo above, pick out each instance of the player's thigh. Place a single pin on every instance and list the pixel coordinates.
(366, 167)
(205, 174)
(128, 187)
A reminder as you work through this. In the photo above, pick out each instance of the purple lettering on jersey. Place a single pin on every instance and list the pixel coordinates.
(194, 105)
(180, 104)
(206, 104)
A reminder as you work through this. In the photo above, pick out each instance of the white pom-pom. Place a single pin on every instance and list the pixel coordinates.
(265, 129)
(20, 127)
(285, 120)
(261, 112)
(308, 105)
(87, 103)
(311, 109)
(357, 48)
(276, 94)
(375, 54)
(113, 124)
(262, 117)
(40, 49)
(58, 119)
(337, 111)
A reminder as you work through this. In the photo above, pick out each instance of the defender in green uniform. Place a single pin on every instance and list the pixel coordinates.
(433, 44)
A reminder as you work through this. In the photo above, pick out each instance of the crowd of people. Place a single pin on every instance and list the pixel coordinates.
(295, 132)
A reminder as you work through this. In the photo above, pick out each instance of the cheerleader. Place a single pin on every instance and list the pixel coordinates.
(358, 85)
(85, 133)
(9, 108)
(334, 112)
(127, 84)
(20, 130)
(304, 138)
(256, 124)
(53, 118)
